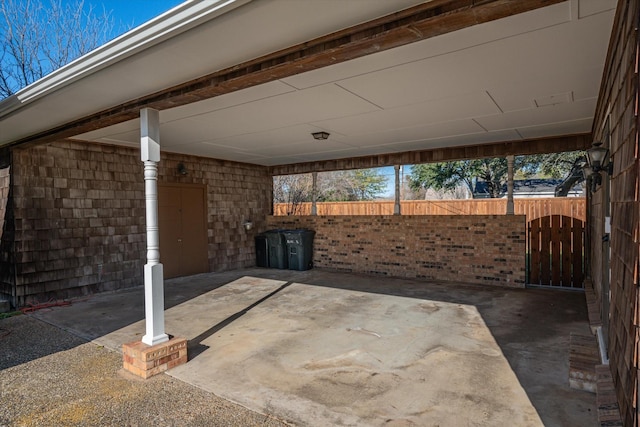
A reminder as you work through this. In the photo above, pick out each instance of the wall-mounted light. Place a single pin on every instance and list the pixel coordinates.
(182, 169)
(320, 135)
(248, 225)
(596, 157)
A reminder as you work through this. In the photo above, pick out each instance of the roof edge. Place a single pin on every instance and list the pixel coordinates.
(170, 24)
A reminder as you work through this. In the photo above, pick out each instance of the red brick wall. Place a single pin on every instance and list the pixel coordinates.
(79, 215)
(483, 249)
(619, 97)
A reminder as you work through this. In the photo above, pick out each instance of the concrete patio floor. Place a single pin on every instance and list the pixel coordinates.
(323, 348)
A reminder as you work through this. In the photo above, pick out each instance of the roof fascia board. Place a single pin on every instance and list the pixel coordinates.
(170, 24)
(444, 154)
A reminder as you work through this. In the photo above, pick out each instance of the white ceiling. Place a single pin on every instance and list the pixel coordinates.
(531, 75)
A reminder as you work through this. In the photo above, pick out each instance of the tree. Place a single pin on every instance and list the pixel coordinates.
(292, 190)
(352, 185)
(38, 37)
(494, 173)
(555, 165)
(443, 176)
(360, 184)
(447, 176)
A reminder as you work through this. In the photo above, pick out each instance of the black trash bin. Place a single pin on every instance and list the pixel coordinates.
(262, 251)
(299, 249)
(276, 248)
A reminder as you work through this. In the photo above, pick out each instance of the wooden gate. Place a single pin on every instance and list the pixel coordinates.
(555, 251)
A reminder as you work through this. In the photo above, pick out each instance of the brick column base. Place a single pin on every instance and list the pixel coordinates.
(148, 360)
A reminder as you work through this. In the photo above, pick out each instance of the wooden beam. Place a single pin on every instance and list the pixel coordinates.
(420, 22)
(498, 149)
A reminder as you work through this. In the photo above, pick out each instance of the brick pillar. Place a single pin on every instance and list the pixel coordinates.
(146, 361)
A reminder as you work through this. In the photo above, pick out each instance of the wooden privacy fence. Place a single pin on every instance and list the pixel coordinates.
(531, 207)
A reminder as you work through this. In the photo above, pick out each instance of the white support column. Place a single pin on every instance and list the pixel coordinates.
(153, 275)
(314, 194)
(510, 209)
(396, 206)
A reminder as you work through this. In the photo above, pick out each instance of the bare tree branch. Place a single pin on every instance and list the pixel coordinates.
(38, 37)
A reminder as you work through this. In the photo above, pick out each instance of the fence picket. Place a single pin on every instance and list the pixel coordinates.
(578, 253)
(545, 250)
(534, 248)
(555, 250)
(566, 251)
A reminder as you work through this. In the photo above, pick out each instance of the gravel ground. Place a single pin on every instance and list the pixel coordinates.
(49, 377)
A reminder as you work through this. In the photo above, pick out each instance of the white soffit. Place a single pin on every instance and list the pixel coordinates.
(531, 75)
(194, 39)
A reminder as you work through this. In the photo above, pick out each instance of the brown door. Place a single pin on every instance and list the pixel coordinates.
(183, 229)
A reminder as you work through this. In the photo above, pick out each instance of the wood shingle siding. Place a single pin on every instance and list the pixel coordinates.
(79, 216)
(619, 97)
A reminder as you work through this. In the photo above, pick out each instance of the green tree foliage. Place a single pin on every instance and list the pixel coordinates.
(443, 176)
(555, 165)
(362, 184)
(37, 37)
(449, 175)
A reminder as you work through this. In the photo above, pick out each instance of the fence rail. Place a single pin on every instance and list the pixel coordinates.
(531, 207)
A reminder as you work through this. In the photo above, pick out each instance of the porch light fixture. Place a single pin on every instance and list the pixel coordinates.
(182, 169)
(320, 135)
(596, 157)
(587, 171)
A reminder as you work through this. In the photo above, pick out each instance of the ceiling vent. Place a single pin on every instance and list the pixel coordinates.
(551, 100)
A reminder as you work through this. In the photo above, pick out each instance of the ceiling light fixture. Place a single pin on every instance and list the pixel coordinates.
(320, 135)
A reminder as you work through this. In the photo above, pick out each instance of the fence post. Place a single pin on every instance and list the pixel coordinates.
(396, 207)
(510, 160)
(314, 194)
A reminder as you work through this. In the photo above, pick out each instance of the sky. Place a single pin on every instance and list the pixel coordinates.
(135, 12)
(128, 14)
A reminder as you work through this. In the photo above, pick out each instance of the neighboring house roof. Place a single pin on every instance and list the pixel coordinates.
(529, 188)
(250, 80)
